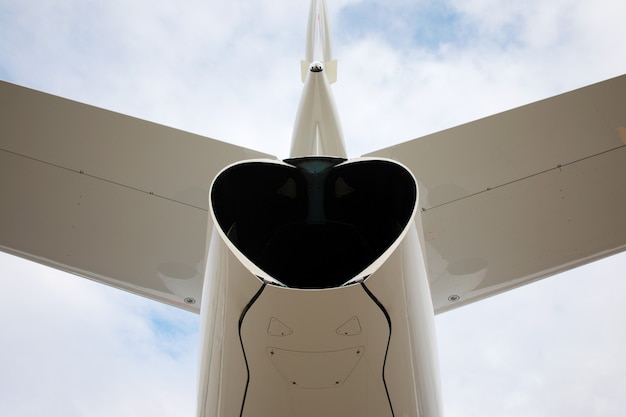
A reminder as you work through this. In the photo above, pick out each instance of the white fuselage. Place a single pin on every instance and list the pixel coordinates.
(316, 301)
(365, 349)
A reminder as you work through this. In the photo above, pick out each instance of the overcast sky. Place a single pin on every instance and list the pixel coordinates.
(230, 70)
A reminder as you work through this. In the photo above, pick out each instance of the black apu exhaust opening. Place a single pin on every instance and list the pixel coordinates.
(315, 223)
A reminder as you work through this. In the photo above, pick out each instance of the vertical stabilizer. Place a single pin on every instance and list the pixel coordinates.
(318, 42)
(317, 131)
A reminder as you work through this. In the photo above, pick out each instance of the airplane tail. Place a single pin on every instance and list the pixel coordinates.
(318, 42)
(317, 131)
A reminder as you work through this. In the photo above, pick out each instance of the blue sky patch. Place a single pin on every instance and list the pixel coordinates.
(174, 329)
(423, 24)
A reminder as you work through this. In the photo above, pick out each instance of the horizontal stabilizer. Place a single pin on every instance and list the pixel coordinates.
(521, 195)
(107, 196)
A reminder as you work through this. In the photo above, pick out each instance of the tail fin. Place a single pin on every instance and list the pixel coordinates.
(318, 42)
(317, 130)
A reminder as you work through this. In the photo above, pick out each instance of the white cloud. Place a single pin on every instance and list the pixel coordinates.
(550, 348)
(230, 70)
(69, 343)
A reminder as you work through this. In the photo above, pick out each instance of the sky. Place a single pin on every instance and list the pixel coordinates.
(229, 69)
